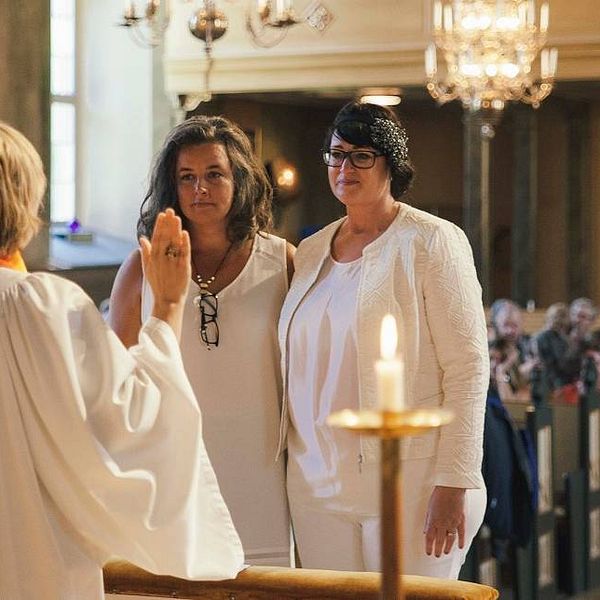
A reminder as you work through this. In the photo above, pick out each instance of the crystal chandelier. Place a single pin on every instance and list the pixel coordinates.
(489, 47)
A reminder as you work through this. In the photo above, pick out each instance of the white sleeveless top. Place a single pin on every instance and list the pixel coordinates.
(238, 387)
(325, 469)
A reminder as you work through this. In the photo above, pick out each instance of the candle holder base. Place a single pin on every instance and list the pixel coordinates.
(390, 426)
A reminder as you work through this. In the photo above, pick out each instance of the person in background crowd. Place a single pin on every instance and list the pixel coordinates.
(584, 340)
(101, 450)
(507, 470)
(559, 356)
(582, 314)
(207, 173)
(519, 360)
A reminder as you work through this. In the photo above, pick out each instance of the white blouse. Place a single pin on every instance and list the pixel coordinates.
(238, 386)
(325, 464)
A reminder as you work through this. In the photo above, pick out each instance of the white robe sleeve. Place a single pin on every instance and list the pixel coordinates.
(110, 440)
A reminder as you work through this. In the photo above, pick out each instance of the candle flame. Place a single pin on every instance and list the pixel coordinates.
(389, 337)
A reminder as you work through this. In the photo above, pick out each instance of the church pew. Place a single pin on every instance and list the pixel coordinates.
(533, 567)
(590, 465)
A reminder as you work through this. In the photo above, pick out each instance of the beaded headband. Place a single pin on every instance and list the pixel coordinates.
(387, 136)
(391, 139)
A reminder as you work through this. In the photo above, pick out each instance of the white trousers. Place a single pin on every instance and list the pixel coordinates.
(347, 541)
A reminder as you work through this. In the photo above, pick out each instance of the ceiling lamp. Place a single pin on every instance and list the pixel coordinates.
(147, 26)
(489, 47)
(268, 21)
(381, 96)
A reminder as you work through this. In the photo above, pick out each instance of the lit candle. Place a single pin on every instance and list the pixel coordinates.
(544, 63)
(430, 60)
(531, 13)
(544, 17)
(437, 15)
(390, 369)
(522, 9)
(129, 11)
(448, 25)
(552, 62)
(282, 9)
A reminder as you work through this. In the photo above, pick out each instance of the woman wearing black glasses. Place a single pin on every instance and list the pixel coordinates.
(383, 257)
(207, 172)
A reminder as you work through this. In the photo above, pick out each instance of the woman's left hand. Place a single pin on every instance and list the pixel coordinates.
(445, 520)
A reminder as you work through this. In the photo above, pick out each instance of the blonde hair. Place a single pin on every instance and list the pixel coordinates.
(22, 187)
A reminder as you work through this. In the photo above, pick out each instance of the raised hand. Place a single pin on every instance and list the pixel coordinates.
(166, 264)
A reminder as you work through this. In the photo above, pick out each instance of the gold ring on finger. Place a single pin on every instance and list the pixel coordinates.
(171, 251)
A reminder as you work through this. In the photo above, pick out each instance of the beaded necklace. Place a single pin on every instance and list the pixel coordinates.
(204, 283)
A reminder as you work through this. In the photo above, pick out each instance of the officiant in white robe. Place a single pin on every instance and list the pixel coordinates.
(101, 451)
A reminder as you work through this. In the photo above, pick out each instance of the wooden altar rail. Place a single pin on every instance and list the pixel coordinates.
(280, 583)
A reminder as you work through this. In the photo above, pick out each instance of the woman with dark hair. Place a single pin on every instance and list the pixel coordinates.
(383, 257)
(207, 173)
(101, 451)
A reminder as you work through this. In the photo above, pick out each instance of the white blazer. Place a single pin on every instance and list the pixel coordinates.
(421, 270)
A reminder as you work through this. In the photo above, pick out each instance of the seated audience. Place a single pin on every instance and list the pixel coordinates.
(506, 468)
(504, 372)
(518, 359)
(559, 352)
(582, 314)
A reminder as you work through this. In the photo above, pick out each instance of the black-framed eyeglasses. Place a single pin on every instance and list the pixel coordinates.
(208, 305)
(361, 159)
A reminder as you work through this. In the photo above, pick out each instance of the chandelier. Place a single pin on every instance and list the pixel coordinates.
(267, 21)
(147, 27)
(489, 47)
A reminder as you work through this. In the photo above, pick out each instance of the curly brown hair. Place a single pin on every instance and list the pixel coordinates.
(252, 196)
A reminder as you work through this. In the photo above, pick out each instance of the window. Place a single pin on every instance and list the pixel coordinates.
(63, 131)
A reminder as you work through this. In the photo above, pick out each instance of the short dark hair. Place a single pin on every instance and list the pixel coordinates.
(252, 192)
(350, 123)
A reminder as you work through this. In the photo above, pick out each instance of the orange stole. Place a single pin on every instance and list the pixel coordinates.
(14, 261)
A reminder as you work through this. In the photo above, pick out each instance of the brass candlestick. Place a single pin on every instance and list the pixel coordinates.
(390, 427)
